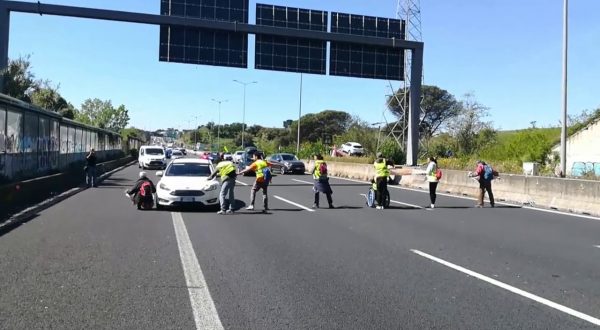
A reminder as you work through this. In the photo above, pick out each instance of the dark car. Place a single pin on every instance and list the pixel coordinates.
(286, 163)
(183, 151)
(247, 158)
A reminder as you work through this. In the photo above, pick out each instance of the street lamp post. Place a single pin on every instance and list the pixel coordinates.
(219, 125)
(299, 116)
(196, 132)
(378, 134)
(244, 108)
(563, 133)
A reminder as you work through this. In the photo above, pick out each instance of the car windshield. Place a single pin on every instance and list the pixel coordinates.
(288, 157)
(154, 151)
(177, 153)
(357, 146)
(188, 169)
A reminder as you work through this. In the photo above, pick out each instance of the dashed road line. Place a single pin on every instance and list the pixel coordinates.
(302, 181)
(242, 183)
(512, 289)
(294, 203)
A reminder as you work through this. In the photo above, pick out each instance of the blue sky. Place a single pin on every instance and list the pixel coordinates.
(506, 52)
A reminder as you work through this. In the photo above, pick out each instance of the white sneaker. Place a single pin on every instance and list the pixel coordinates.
(229, 212)
(433, 206)
(251, 207)
(379, 207)
(221, 212)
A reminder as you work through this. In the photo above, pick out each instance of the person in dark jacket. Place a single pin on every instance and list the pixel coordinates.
(135, 194)
(90, 169)
(321, 184)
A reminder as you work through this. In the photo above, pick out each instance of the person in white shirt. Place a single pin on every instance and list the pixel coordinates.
(432, 178)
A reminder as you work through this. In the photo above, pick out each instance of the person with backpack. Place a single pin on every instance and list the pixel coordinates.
(227, 170)
(321, 184)
(262, 169)
(434, 174)
(382, 174)
(485, 174)
(142, 192)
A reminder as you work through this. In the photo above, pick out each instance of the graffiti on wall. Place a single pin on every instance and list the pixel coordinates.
(583, 168)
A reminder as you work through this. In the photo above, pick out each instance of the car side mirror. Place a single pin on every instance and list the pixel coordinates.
(159, 173)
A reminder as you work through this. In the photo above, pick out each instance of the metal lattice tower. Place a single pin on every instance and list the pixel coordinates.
(410, 12)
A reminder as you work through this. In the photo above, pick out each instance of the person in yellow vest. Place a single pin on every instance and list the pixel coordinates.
(227, 171)
(432, 178)
(321, 184)
(261, 183)
(382, 174)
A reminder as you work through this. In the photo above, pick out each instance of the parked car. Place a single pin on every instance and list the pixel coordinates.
(183, 151)
(286, 163)
(152, 157)
(237, 156)
(353, 149)
(185, 182)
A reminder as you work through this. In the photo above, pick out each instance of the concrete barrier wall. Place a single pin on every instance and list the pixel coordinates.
(580, 196)
(18, 195)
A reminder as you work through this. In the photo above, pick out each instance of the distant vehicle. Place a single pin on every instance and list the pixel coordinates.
(247, 158)
(237, 156)
(183, 151)
(213, 157)
(353, 149)
(286, 163)
(152, 157)
(228, 156)
(176, 154)
(185, 182)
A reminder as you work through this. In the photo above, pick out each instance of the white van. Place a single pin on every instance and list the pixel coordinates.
(152, 157)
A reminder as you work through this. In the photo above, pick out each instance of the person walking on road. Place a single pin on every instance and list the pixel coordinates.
(382, 174)
(90, 169)
(227, 171)
(321, 184)
(433, 179)
(263, 178)
(485, 174)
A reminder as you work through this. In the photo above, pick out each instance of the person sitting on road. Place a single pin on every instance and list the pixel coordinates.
(142, 192)
(382, 174)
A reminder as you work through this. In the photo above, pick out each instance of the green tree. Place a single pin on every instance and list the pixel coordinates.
(47, 97)
(102, 114)
(314, 125)
(18, 79)
(465, 128)
(438, 106)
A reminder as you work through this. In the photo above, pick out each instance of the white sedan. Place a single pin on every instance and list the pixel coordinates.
(185, 182)
(176, 154)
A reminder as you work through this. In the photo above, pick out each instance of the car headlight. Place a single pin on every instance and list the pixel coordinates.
(211, 186)
(164, 187)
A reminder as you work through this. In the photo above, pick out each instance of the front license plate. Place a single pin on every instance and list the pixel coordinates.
(188, 199)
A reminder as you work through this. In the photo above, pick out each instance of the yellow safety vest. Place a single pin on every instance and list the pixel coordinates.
(381, 169)
(260, 164)
(317, 172)
(225, 168)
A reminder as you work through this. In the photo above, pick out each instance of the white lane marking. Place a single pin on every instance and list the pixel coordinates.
(242, 183)
(205, 312)
(401, 203)
(295, 204)
(598, 246)
(590, 217)
(302, 181)
(512, 289)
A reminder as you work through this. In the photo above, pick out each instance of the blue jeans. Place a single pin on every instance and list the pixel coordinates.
(91, 176)
(226, 197)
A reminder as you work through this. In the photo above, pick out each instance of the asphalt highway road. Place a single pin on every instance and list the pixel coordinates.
(94, 261)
